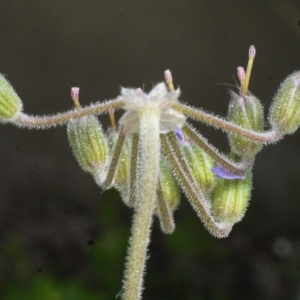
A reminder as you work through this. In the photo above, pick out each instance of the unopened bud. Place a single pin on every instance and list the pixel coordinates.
(10, 103)
(89, 144)
(230, 199)
(122, 174)
(285, 110)
(247, 112)
(169, 186)
(200, 166)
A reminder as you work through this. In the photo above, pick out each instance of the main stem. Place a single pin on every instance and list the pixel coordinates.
(148, 169)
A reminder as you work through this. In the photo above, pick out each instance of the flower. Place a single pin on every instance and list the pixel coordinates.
(136, 100)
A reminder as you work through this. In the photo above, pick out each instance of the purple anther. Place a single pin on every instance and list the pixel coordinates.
(181, 137)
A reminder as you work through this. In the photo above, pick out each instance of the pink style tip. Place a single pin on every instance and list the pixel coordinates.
(75, 93)
(252, 51)
(111, 111)
(168, 76)
(241, 73)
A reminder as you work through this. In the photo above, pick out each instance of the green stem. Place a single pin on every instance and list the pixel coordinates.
(148, 170)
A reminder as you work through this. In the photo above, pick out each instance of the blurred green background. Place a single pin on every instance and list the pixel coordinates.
(61, 237)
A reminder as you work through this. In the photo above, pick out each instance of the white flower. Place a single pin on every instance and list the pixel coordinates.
(159, 98)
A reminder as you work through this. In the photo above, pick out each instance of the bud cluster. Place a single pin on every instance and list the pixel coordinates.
(154, 153)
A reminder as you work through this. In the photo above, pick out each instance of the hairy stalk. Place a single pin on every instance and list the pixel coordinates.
(166, 215)
(45, 122)
(263, 137)
(236, 168)
(148, 170)
(114, 160)
(133, 170)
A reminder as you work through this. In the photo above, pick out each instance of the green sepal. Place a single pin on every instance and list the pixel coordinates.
(247, 112)
(230, 198)
(200, 165)
(169, 186)
(122, 174)
(89, 144)
(285, 109)
(10, 103)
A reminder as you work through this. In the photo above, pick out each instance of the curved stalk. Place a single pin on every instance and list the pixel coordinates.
(263, 137)
(45, 122)
(236, 168)
(148, 170)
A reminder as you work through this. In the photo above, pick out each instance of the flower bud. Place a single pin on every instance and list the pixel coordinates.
(89, 144)
(247, 112)
(169, 186)
(230, 199)
(200, 166)
(122, 174)
(10, 103)
(285, 109)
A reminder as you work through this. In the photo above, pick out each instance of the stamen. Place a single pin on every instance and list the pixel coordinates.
(252, 53)
(169, 80)
(75, 97)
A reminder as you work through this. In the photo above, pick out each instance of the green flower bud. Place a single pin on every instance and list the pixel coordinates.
(169, 186)
(285, 109)
(247, 112)
(230, 198)
(200, 166)
(10, 103)
(89, 144)
(122, 174)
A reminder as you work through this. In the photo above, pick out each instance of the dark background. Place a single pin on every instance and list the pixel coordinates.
(61, 237)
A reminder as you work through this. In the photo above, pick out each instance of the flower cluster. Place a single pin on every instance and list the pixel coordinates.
(152, 152)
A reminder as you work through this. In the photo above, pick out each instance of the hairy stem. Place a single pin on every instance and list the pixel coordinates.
(44, 122)
(263, 137)
(148, 169)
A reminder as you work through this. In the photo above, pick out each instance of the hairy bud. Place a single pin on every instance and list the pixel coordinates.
(247, 112)
(230, 199)
(285, 110)
(10, 103)
(89, 144)
(169, 186)
(200, 166)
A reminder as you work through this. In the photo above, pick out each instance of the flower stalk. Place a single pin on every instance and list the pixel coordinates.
(148, 168)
